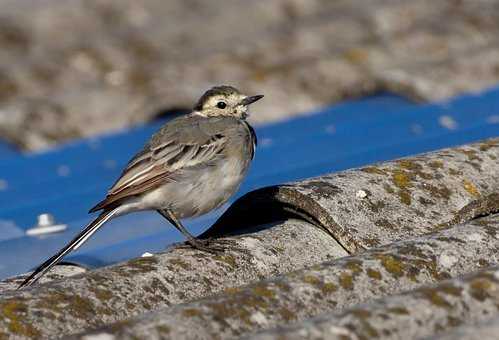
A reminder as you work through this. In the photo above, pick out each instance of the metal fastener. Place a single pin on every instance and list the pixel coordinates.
(46, 225)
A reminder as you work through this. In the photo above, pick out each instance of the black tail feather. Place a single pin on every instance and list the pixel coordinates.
(98, 206)
(74, 244)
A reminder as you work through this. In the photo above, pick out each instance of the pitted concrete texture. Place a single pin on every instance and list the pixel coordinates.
(415, 314)
(58, 272)
(144, 284)
(487, 330)
(403, 198)
(339, 284)
(80, 67)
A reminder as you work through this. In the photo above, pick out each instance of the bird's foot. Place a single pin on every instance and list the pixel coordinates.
(208, 245)
(213, 245)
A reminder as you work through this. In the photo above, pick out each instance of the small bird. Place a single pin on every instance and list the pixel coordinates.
(191, 166)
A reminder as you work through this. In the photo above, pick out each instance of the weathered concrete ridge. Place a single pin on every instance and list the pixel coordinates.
(153, 55)
(415, 314)
(59, 272)
(144, 284)
(403, 198)
(325, 287)
(485, 330)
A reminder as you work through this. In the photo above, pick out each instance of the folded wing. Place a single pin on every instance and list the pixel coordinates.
(168, 154)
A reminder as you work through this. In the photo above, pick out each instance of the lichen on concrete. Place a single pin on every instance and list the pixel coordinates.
(144, 284)
(141, 60)
(407, 197)
(338, 285)
(414, 314)
(333, 223)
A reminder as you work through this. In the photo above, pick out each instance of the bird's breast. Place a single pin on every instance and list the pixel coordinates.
(201, 190)
(216, 186)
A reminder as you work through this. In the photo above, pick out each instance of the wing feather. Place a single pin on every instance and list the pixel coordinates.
(161, 160)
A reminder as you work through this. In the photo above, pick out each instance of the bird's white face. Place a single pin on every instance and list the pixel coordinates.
(225, 105)
(224, 101)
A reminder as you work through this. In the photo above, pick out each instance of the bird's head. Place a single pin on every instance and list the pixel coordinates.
(224, 101)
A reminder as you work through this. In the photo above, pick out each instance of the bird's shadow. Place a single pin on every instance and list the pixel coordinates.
(254, 212)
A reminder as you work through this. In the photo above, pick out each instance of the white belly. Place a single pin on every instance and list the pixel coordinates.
(198, 191)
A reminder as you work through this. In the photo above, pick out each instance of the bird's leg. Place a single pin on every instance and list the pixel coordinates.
(176, 223)
(193, 241)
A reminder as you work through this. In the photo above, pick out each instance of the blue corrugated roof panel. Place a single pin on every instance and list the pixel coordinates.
(68, 180)
(7, 150)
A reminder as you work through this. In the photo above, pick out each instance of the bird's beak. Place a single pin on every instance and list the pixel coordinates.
(250, 100)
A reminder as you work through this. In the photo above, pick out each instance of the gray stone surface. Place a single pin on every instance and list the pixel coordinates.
(403, 198)
(342, 283)
(80, 67)
(57, 273)
(487, 330)
(411, 315)
(144, 284)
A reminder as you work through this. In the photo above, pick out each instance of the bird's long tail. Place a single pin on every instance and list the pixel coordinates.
(73, 245)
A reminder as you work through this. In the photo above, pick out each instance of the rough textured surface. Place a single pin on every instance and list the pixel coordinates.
(484, 331)
(415, 314)
(80, 67)
(404, 198)
(58, 272)
(148, 283)
(335, 285)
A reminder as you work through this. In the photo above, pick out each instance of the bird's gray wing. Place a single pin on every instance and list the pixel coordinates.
(179, 145)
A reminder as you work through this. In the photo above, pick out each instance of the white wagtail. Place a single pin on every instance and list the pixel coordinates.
(191, 166)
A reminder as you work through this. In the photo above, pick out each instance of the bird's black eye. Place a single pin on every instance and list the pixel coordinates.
(221, 105)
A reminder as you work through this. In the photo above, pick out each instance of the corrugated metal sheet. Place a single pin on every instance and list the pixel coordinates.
(7, 150)
(68, 180)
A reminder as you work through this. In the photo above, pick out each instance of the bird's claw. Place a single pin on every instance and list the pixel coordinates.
(207, 245)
